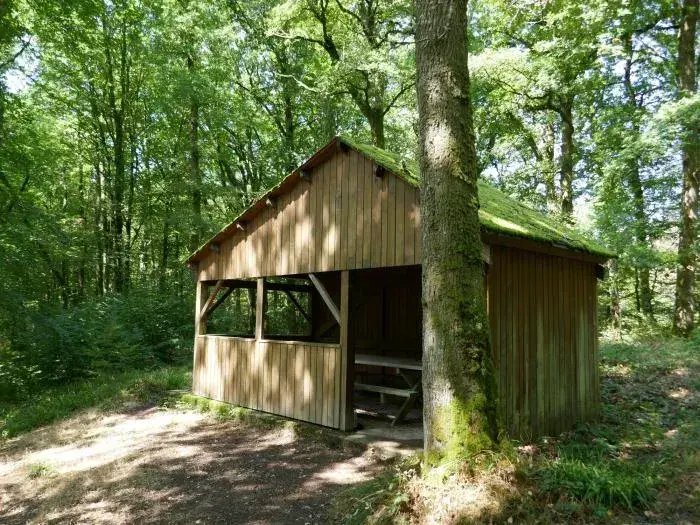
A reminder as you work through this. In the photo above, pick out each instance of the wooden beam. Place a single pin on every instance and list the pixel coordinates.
(210, 300)
(326, 297)
(298, 306)
(260, 309)
(347, 413)
(220, 300)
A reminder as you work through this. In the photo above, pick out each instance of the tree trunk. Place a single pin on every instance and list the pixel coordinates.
(460, 398)
(550, 169)
(566, 176)
(684, 315)
(375, 118)
(195, 172)
(641, 228)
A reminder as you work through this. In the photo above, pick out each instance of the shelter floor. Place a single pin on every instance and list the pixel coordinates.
(374, 427)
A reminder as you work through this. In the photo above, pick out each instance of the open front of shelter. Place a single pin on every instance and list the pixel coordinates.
(309, 303)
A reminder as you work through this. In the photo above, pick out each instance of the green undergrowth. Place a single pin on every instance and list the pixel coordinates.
(639, 462)
(383, 499)
(105, 391)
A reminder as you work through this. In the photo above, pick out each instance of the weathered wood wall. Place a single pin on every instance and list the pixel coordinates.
(297, 380)
(543, 312)
(345, 218)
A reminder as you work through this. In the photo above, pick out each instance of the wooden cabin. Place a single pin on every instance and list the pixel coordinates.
(325, 275)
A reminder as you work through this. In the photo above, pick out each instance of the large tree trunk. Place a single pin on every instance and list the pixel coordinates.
(566, 175)
(684, 316)
(460, 399)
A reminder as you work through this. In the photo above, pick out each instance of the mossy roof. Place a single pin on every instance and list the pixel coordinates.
(498, 213)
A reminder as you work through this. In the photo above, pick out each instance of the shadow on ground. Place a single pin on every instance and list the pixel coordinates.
(165, 466)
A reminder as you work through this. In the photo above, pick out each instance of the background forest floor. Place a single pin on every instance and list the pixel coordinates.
(640, 463)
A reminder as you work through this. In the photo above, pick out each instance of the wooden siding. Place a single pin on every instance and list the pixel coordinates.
(344, 218)
(542, 311)
(293, 379)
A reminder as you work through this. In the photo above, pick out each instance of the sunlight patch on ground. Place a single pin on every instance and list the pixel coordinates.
(113, 438)
(342, 473)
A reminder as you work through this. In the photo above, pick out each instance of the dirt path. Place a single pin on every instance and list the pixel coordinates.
(170, 466)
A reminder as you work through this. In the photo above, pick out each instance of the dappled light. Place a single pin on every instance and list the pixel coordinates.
(171, 465)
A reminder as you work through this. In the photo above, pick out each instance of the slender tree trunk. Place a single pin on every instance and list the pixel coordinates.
(116, 111)
(641, 229)
(615, 304)
(684, 315)
(460, 399)
(566, 175)
(195, 172)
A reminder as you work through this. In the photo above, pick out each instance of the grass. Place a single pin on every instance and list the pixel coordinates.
(104, 391)
(639, 461)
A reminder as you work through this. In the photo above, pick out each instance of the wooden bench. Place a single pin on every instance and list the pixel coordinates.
(400, 364)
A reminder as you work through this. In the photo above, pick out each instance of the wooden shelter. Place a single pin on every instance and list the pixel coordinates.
(339, 241)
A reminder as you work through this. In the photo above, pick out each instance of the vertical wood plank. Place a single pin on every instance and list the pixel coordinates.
(391, 220)
(399, 223)
(384, 223)
(351, 209)
(368, 181)
(344, 201)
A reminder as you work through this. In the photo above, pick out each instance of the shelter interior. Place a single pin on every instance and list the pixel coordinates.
(385, 322)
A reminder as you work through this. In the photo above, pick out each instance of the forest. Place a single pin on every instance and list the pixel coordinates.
(132, 131)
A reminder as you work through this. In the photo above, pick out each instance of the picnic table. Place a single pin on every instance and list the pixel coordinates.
(401, 365)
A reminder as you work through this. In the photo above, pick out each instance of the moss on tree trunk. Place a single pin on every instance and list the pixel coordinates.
(460, 399)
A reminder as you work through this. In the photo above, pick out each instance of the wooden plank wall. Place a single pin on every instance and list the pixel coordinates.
(345, 218)
(292, 379)
(544, 338)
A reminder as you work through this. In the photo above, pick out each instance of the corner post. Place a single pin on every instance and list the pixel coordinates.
(347, 414)
(259, 308)
(200, 320)
(200, 328)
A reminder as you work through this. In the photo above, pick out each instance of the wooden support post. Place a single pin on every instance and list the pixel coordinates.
(260, 309)
(200, 328)
(347, 366)
(326, 297)
(200, 323)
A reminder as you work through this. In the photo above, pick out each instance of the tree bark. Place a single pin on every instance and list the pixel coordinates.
(684, 315)
(460, 398)
(566, 176)
(641, 229)
(195, 172)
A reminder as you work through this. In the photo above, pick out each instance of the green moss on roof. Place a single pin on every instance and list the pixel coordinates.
(498, 212)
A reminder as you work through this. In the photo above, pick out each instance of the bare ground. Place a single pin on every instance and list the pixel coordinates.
(149, 465)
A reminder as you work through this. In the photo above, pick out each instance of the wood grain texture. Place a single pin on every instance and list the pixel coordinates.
(544, 340)
(345, 218)
(298, 380)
